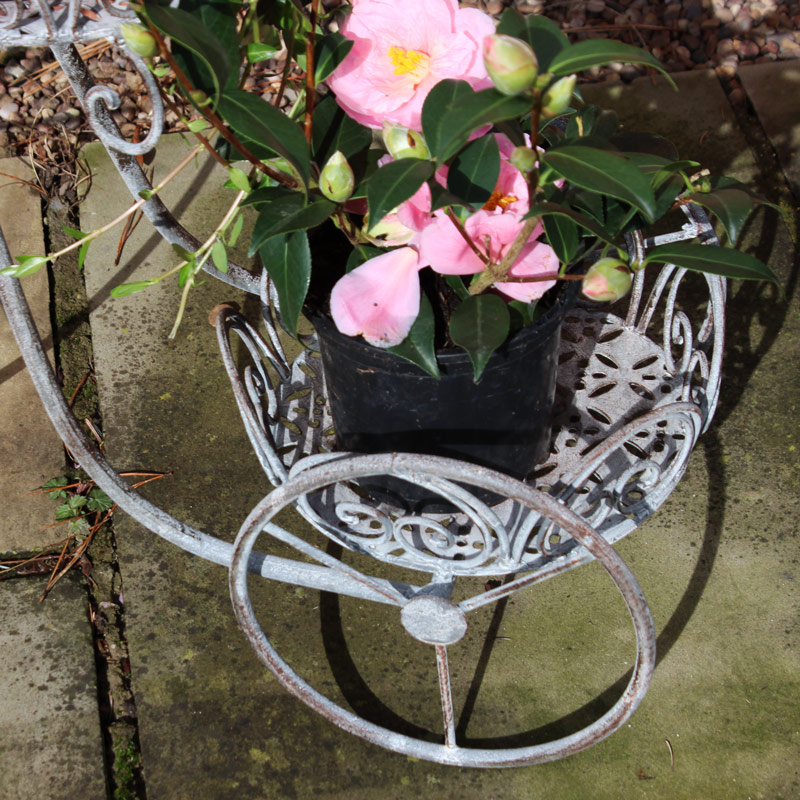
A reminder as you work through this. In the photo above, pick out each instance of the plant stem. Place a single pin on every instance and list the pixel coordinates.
(214, 119)
(472, 246)
(125, 214)
(204, 248)
(310, 69)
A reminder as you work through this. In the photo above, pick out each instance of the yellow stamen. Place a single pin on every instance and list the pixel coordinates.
(501, 201)
(405, 61)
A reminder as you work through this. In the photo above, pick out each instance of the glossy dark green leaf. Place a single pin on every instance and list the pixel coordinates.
(333, 130)
(642, 142)
(394, 183)
(512, 23)
(604, 172)
(329, 52)
(288, 216)
(287, 259)
(452, 111)
(191, 33)
(272, 194)
(562, 236)
(712, 259)
(731, 207)
(587, 223)
(256, 119)
(474, 171)
(596, 52)
(546, 39)
(667, 192)
(436, 109)
(480, 325)
(418, 346)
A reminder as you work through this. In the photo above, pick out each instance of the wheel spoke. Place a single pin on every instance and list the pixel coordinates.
(446, 695)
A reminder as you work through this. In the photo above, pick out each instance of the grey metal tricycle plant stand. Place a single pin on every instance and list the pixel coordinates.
(633, 407)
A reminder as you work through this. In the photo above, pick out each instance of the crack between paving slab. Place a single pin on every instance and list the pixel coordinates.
(103, 579)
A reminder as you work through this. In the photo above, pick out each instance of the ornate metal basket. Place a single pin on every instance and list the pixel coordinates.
(635, 394)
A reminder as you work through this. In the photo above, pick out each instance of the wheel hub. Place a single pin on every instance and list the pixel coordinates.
(433, 620)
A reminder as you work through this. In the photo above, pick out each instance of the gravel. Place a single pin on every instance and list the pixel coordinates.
(36, 103)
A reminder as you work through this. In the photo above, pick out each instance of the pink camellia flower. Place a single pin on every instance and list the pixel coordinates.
(380, 298)
(401, 51)
(444, 248)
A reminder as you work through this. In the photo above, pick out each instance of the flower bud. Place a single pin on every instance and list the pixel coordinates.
(403, 142)
(557, 98)
(336, 181)
(510, 62)
(524, 159)
(607, 280)
(138, 39)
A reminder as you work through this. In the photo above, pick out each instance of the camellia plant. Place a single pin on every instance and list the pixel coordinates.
(452, 154)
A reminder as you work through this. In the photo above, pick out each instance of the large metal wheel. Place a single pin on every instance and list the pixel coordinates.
(428, 615)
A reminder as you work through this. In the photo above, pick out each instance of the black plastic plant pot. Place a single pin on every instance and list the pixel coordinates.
(383, 403)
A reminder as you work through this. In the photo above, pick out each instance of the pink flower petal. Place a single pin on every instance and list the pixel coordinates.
(379, 299)
(444, 249)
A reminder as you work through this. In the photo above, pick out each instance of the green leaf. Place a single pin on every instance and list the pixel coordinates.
(544, 209)
(437, 109)
(512, 23)
(260, 51)
(219, 256)
(54, 488)
(596, 52)
(72, 508)
(197, 125)
(603, 172)
(667, 192)
(82, 251)
(523, 314)
(124, 289)
(333, 130)
(73, 232)
(474, 171)
(286, 217)
(715, 260)
(256, 119)
(546, 39)
(562, 236)
(185, 273)
(452, 113)
(195, 36)
(233, 236)
(329, 52)
(394, 183)
(731, 206)
(98, 500)
(26, 265)
(456, 283)
(418, 346)
(238, 177)
(480, 325)
(287, 259)
(272, 194)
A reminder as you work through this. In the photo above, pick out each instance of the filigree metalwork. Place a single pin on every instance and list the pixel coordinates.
(34, 23)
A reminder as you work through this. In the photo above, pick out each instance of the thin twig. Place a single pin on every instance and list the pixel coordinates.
(310, 69)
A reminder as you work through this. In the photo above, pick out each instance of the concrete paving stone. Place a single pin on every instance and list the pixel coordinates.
(774, 91)
(30, 450)
(213, 721)
(50, 738)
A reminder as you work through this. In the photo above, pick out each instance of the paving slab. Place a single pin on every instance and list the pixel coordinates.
(30, 451)
(774, 91)
(715, 563)
(51, 745)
